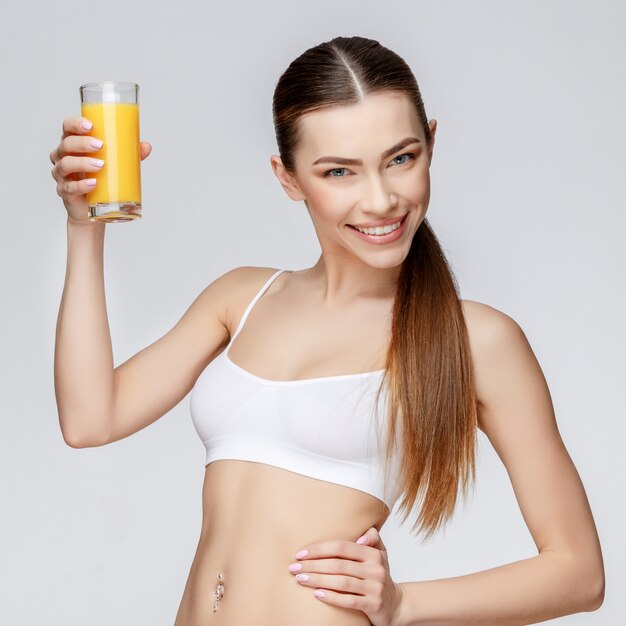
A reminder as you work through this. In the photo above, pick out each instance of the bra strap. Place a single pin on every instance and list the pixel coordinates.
(259, 293)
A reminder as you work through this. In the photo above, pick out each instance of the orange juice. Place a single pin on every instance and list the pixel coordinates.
(117, 125)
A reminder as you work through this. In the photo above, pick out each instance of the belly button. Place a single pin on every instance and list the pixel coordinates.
(219, 591)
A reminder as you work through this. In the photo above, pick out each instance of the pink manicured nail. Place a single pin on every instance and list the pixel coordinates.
(86, 125)
(319, 593)
(301, 554)
(361, 539)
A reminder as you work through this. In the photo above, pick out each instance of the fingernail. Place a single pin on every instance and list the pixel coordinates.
(87, 125)
(96, 143)
(97, 162)
(319, 593)
(90, 182)
(294, 567)
(361, 539)
(301, 554)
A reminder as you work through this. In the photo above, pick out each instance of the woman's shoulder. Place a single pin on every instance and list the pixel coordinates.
(248, 274)
(481, 312)
(241, 284)
(487, 325)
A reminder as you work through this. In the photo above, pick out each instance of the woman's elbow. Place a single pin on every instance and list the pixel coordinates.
(592, 575)
(597, 596)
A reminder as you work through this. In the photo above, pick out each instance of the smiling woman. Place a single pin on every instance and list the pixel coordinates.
(325, 396)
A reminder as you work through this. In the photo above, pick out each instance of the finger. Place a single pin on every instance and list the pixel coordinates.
(367, 596)
(334, 547)
(346, 584)
(369, 571)
(72, 164)
(74, 144)
(146, 149)
(372, 538)
(339, 548)
(69, 188)
(74, 126)
(358, 569)
(345, 600)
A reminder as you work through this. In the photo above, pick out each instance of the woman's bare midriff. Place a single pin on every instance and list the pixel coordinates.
(257, 516)
(265, 515)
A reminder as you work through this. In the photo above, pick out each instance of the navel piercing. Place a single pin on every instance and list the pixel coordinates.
(219, 591)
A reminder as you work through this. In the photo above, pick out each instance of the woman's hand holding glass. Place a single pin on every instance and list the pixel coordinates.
(71, 166)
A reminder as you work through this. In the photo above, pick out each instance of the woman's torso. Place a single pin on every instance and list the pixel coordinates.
(257, 516)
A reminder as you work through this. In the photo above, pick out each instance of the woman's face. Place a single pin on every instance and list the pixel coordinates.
(363, 164)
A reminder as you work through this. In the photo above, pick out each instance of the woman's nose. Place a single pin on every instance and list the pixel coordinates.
(377, 197)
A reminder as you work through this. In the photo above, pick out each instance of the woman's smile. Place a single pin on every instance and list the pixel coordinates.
(398, 229)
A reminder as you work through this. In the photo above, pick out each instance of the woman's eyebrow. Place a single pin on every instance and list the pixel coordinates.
(387, 153)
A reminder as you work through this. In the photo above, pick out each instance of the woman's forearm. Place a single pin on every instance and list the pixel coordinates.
(528, 591)
(83, 359)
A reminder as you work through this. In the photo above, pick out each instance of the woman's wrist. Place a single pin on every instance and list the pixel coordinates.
(86, 223)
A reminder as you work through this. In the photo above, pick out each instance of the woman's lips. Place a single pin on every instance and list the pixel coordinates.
(382, 239)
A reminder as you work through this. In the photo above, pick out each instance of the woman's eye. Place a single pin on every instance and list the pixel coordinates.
(337, 169)
(411, 157)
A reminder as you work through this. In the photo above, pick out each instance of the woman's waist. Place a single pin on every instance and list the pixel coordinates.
(255, 518)
(270, 544)
(247, 502)
(252, 585)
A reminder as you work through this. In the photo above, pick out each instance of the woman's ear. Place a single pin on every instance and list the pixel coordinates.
(431, 144)
(288, 182)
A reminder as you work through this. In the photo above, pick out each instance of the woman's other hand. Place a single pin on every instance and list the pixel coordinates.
(359, 570)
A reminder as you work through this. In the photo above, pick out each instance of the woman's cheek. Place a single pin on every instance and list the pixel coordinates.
(417, 189)
(330, 203)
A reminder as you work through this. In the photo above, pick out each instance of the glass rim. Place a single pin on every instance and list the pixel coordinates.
(112, 83)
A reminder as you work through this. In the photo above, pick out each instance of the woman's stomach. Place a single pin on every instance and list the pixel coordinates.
(255, 518)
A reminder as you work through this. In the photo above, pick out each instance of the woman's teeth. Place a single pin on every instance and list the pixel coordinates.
(379, 230)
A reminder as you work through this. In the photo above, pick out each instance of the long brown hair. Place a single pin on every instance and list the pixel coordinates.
(428, 364)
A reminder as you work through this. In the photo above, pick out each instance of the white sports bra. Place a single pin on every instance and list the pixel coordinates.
(325, 428)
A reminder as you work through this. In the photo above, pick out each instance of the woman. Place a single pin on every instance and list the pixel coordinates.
(325, 395)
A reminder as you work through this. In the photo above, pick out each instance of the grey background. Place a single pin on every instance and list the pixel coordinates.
(527, 198)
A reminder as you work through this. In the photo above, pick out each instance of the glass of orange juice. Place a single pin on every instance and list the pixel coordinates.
(113, 108)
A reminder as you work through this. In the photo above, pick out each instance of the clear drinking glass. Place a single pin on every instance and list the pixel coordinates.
(113, 108)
